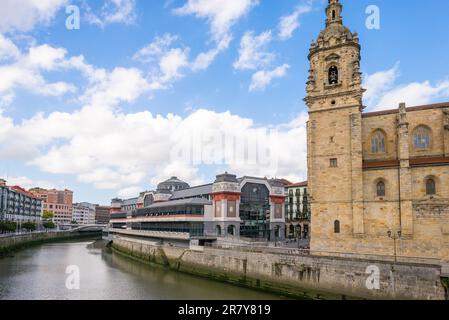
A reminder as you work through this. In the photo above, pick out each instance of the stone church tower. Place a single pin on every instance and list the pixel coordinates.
(374, 177)
(334, 99)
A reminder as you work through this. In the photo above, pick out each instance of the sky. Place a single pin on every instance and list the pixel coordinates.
(141, 90)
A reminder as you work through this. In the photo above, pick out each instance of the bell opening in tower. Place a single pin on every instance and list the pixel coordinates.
(333, 75)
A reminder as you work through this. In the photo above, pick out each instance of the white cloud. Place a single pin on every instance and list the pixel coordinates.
(170, 61)
(28, 183)
(288, 24)
(8, 49)
(205, 59)
(414, 94)
(121, 84)
(109, 149)
(113, 11)
(221, 14)
(155, 49)
(130, 192)
(25, 71)
(262, 79)
(23, 15)
(252, 52)
(383, 92)
(378, 83)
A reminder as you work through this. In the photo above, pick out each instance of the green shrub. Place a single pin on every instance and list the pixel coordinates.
(8, 226)
(49, 225)
(30, 226)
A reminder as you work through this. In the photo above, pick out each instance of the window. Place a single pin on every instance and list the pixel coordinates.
(381, 189)
(421, 138)
(218, 230)
(231, 230)
(333, 75)
(378, 142)
(333, 14)
(337, 226)
(333, 163)
(431, 187)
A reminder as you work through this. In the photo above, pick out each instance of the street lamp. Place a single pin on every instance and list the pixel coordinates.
(395, 236)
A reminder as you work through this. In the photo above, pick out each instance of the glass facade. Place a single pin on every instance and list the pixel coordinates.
(192, 228)
(255, 211)
(170, 210)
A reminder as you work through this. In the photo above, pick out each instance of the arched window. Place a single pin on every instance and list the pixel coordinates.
(333, 14)
(421, 138)
(378, 142)
(333, 75)
(337, 226)
(431, 188)
(381, 189)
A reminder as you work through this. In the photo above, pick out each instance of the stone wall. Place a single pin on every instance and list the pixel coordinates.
(9, 244)
(298, 276)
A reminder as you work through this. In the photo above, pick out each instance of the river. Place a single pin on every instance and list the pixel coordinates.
(40, 273)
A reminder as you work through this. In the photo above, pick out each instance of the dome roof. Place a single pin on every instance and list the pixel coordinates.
(335, 30)
(172, 184)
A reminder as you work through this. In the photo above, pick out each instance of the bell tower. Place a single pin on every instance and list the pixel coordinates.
(334, 99)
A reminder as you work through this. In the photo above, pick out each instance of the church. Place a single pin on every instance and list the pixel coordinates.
(379, 181)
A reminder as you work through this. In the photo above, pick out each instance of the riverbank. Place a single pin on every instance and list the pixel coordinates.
(303, 277)
(39, 273)
(9, 245)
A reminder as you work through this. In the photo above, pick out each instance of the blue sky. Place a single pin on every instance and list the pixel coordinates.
(100, 110)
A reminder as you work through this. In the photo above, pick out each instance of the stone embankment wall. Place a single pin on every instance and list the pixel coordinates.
(9, 244)
(297, 276)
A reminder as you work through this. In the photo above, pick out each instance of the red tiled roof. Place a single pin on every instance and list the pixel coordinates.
(24, 192)
(295, 185)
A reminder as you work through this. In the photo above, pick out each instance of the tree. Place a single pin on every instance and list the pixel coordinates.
(8, 226)
(49, 225)
(30, 226)
(47, 215)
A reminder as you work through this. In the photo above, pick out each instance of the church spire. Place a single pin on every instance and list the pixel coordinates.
(333, 13)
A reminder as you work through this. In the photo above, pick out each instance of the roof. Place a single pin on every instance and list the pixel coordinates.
(192, 192)
(172, 182)
(24, 192)
(299, 184)
(226, 177)
(191, 201)
(409, 109)
(130, 201)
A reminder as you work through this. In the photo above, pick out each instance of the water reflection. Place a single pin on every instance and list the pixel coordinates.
(40, 273)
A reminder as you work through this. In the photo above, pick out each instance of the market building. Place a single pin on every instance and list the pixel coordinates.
(244, 207)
